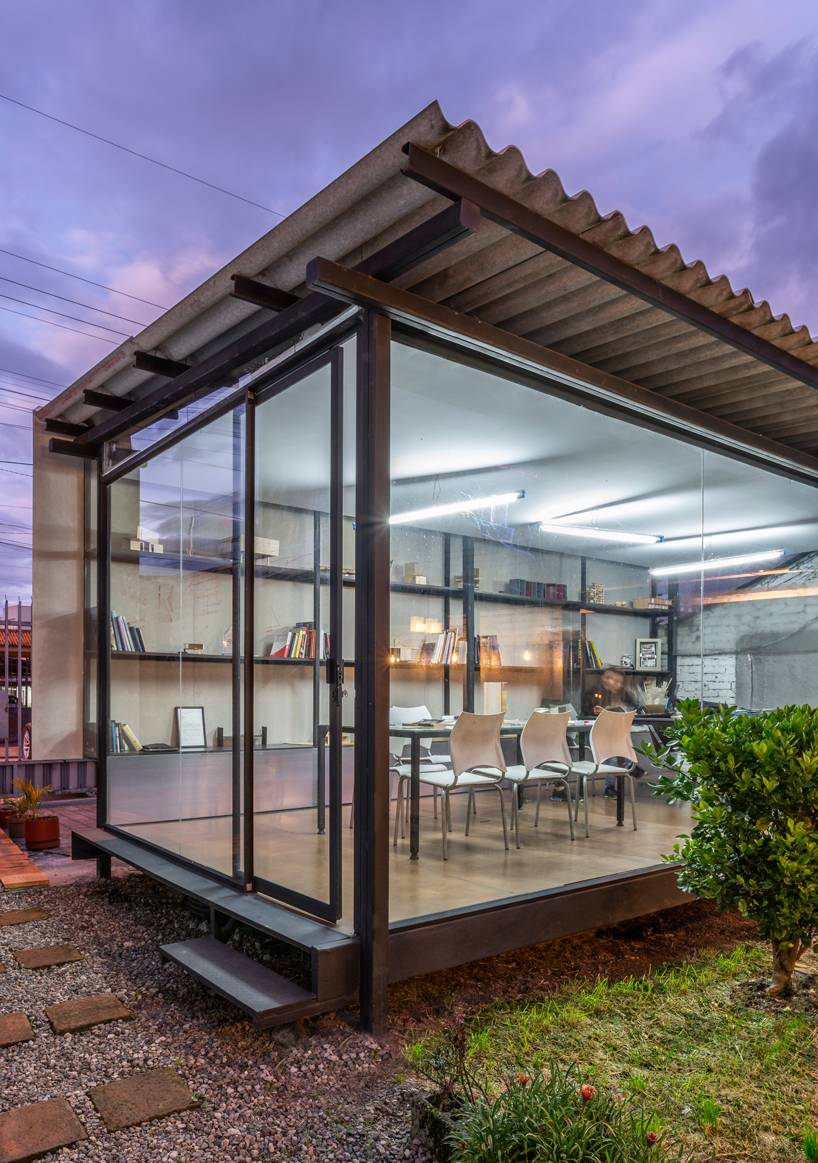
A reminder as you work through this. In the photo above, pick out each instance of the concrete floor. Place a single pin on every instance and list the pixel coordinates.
(289, 852)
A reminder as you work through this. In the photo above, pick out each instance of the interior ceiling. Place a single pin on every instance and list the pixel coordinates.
(458, 432)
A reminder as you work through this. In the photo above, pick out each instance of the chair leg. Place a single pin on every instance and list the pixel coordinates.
(448, 811)
(515, 811)
(434, 797)
(468, 809)
(633, 800)
(398, 813)
(585, 802)
(580, 790)
(568, 802)
(503, 814)
(537, 813)
(444, 807)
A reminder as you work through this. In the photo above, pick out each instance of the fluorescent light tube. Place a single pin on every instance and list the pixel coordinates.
(464, 506)
(716, 563)
(599, 534)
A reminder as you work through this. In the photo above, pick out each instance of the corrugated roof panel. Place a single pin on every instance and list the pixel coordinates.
(508, 281)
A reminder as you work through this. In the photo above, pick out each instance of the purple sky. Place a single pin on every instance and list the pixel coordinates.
(698, 119)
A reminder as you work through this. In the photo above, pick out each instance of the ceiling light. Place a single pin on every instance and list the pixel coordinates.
(716, 563)
(467, 505)
(599, 534)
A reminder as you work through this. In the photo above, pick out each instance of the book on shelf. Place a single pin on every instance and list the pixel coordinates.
(592, 659)
(443, 649)
(126, 637)
(488, 651)
(123, 738)
(298, 642)
(537, 590)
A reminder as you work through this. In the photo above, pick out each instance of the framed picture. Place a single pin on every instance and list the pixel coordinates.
(648, 653)
(190, 729)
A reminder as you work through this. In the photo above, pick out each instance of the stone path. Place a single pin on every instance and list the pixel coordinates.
(16, 870)
(31, 1131)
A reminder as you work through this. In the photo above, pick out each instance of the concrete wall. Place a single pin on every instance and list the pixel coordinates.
(58, 600)
(759, 653)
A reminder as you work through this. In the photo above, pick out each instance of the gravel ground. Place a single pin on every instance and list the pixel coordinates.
(317, 1090)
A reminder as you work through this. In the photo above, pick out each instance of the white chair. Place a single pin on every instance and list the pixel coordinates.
(399, 760)
(610, 739)
(546, 760)
(477, 762)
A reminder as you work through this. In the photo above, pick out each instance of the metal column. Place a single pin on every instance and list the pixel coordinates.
(372, 668)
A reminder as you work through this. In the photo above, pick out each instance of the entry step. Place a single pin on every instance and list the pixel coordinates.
(268, 998)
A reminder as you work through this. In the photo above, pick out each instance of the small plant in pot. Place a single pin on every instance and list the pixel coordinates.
(13, 818)
(8, 812)
(41, 830)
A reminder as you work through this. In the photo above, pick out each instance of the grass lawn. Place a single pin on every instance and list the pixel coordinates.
(722, 1067)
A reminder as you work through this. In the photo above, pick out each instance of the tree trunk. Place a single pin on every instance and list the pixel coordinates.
(785, 955)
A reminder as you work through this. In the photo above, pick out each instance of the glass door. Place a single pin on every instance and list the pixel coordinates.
(298, 536)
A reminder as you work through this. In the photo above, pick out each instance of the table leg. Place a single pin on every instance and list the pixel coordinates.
(414, 796)
(620, 802)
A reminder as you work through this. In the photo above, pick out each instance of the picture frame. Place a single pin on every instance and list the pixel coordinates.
(190, 729)
(648, 654)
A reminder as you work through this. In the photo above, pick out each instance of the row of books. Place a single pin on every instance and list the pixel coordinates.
(487, 651)
(592, 659)
(534, 589)
(123, 739)
(125, 636)
(298, 642)
(442, 650)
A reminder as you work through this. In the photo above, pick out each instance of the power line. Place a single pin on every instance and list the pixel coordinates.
(91, 283)
(13, 390)
(76, 302)
(62, 315)
(144, 156)
(15, 462)
(62, 326)
(11, 472)
(26, 376)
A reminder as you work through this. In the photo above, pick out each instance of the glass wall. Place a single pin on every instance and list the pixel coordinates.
(554, 518)
(177, 563)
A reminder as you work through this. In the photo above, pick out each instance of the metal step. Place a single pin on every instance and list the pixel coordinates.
(334, 954)
(268, 998)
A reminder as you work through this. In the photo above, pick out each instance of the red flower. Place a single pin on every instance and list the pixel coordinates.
(588, 1092)
(652, 1138)
(523, 1079)
(405, 1020)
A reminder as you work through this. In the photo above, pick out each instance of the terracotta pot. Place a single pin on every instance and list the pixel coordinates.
(6, 816)
(17, 828)
(42, 832)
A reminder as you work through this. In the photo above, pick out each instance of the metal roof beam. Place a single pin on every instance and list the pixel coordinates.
(261, 294)
(145, 362)
(104, 400)
(440, 231)
(65, 427)
(446, 179)
(444, 323)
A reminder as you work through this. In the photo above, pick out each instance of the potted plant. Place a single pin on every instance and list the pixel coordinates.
(14, 818)
(41, 830)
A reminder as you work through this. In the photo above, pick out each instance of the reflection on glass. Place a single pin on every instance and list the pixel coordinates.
(177, 563)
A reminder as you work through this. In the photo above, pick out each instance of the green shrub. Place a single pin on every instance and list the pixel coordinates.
(555, 1118)
(753, 785)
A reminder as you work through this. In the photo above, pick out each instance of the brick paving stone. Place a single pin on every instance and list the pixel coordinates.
(48, 955)
(15, 1028)
(30, 1131)
(69, 1017)
(23, 916)
(141, 1098)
